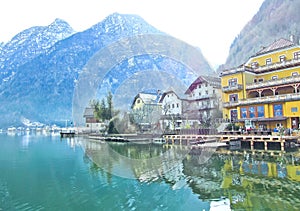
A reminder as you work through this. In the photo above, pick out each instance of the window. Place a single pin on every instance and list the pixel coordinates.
(254, 65)
(277, 110)
(260, 111)
(297, 55)
(252, 112)
(199, 86)
(274, 77)
(295, 73)
(233, 114)
(232, 82)
(214, 91)
(268, 61)
(260, 80)
(282, 58)
(206, 92)
(243, 112)
(233, 98)
(254, 80)
(177, 105)
(294, 109)
(138, 101)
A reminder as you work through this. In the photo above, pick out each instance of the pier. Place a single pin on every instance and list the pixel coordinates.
(67, 133)
(254, 142)
(125, 137)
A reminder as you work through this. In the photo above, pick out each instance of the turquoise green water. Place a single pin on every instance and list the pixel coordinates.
(44, 172)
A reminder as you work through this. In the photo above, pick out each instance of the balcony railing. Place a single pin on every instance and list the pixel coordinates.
(260, 100)
(242, 68)
(231, 104)
(232, 88)
(276, 82)
(200, 97)
(261, 69)
(279, 65)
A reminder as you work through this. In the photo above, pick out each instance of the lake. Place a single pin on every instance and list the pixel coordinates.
(45, 172)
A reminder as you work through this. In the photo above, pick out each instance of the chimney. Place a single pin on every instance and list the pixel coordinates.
(294, 39)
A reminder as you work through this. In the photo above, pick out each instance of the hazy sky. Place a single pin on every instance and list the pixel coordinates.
(209, 24)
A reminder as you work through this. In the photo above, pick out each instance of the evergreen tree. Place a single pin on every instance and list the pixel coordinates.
(105, 111)
(109, 106)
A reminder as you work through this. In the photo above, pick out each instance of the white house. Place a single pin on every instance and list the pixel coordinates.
(172, 105)
(91, 123)
(204, 98)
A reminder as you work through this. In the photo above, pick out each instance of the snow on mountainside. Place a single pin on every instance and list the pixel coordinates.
(30, 43)
(42, 88)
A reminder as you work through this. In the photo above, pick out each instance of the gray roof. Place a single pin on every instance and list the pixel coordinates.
(278, 44)
(88, 112)
(148, 98)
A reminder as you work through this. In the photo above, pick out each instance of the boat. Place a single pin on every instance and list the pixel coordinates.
(158, 141)
(222, 204)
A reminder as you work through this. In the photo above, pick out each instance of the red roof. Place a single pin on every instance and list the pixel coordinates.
(215, 81)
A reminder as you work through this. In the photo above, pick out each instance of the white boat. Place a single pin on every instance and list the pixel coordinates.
(222, 204)
(11, 129)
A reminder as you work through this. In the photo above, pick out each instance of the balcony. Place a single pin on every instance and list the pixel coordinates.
(277, 82)
(277, 66)
(239, 69)
(202, 97)
(263, 100)
(232, 88)
(231, 104)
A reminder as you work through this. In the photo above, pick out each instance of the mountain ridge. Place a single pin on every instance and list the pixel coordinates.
(29, 44)
(41, 89)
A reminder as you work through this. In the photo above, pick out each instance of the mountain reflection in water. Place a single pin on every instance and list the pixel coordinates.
(250, 182)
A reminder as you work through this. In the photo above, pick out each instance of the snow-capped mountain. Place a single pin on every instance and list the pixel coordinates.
(42, 88)
(29, 44)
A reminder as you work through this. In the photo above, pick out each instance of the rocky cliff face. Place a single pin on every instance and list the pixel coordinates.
(40, 66)
(275, 19)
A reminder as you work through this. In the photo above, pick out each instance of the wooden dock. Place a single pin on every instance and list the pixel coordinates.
(67, 133)
(125, 137)
(254, 142)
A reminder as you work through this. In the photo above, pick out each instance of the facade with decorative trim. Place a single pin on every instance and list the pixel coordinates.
(264, 92)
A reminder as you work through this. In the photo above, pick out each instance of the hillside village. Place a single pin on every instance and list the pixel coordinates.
(262, 94)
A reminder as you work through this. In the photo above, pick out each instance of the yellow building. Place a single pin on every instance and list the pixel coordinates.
(146, 109)
(264, 92)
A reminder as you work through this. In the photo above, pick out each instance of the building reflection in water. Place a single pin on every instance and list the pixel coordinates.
(250, 182)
